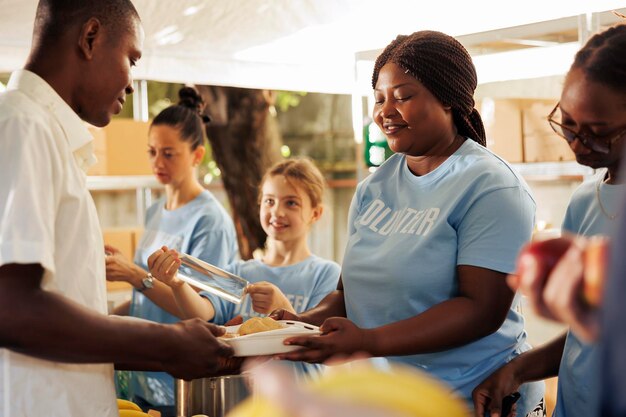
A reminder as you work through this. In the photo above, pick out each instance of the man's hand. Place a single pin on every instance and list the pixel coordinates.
(198, 353)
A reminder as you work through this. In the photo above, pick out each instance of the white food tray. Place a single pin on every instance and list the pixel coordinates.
(270, 342)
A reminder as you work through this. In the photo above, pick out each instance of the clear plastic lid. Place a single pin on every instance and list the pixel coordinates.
(212, 279)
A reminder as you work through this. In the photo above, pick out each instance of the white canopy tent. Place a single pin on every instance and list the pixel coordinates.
(303, 45)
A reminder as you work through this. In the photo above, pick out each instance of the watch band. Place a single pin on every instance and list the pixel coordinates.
(146, 283)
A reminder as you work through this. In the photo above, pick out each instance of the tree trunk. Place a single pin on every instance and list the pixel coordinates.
(245, 142)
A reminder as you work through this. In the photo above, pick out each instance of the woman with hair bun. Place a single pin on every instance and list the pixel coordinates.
(433, 232)
(187, 218)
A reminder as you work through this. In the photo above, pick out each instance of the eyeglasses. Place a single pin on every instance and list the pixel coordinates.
(598, 143)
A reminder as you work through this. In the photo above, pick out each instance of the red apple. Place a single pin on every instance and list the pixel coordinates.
(547, 252)
(596, 266)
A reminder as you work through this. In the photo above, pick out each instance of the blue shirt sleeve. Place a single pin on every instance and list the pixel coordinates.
(495, 228)
(211, 244)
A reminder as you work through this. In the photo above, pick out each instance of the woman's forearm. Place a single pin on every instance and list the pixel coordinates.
(447, 325)
(191, 304)
(162, 296)
(333, 305)
(541, 362)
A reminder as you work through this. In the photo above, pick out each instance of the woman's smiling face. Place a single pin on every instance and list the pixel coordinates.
(414, 121)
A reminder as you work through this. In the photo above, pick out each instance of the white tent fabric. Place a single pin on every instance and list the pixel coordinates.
(305, 45)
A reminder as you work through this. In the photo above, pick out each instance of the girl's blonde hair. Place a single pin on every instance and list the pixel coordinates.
(302, 171)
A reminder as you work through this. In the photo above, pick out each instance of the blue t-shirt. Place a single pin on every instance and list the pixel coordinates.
(201, 228)
(613, 336)
(579, 374)
(409, 233)
(304, 284)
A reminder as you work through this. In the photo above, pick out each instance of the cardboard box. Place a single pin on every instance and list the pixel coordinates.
(503, 127)
(535, 116)
(541, 144)
(121, 148)
(137, 233)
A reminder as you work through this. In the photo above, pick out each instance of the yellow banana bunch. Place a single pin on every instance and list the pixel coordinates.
(127, 405)
(133, 413)
(403, 391)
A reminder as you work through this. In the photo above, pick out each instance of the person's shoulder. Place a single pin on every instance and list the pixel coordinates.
(587, 189)
(15, 106)
(478, 162)
(155, 207)
(23, 119)
(322, 263)
(239, 266)
(207, 203)
(251, 268)
(210, 211)
(478, 157)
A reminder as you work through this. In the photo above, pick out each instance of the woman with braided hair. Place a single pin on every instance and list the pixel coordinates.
(433, 232)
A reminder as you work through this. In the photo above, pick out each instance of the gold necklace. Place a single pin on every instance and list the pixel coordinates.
(604, 211)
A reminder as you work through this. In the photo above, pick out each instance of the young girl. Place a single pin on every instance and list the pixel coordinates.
(288, 276)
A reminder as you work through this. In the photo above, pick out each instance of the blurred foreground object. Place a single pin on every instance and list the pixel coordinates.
(350, 391)
(596, 267)
(563, 279)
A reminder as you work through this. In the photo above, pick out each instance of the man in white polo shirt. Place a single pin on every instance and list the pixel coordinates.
(56, 342)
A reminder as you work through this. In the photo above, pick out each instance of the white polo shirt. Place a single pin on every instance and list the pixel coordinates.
(48, 217)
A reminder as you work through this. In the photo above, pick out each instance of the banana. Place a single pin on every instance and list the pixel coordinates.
(127, 405)
(133, 413)
(402, 390)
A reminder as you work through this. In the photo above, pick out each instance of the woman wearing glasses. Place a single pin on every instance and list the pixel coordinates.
(591, 116)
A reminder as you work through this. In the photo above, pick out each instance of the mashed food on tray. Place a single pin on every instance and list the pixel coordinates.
(259, 324)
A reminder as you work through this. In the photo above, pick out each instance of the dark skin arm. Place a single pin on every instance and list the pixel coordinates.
(50, 326)
(478, 310)
(533, 365)
(333, 305)
(122, 309)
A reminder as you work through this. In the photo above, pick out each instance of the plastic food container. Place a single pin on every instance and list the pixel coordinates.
(269, 342)
(212, 279)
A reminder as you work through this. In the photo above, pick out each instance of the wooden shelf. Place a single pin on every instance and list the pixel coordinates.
(122, 182)
(553, 171)
(342, 183)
